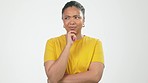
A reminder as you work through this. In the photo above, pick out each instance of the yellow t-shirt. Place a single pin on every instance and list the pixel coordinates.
(82, 52)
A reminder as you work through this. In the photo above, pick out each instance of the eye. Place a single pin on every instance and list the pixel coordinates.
(77, 17)
(66, 18)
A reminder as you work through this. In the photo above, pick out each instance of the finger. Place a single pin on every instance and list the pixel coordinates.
(74, 32)
(73, 37)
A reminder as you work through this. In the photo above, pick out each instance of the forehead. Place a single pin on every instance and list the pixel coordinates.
(70, 11)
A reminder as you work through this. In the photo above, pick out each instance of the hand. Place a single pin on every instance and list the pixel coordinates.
(71, 37)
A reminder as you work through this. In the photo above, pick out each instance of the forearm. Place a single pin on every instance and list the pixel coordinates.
(57, 70)
(85, 77)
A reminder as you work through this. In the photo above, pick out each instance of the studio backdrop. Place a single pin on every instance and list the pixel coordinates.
(26, 25)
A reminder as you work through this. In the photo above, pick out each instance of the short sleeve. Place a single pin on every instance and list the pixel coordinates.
(98, 53)
(49, 51)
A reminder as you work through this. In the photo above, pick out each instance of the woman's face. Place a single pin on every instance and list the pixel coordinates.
(73, 19)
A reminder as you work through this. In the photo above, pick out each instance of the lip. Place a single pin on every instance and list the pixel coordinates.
(72, 28)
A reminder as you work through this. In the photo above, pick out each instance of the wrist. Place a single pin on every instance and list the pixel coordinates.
(68, 45)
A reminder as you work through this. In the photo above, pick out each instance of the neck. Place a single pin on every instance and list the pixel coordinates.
(79, 36)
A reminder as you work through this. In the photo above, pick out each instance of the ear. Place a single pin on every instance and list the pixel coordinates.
(63, 22)
(83, 22)
(83, 19)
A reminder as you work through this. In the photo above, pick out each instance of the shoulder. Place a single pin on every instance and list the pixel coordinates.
(92, 39)
(55, 39)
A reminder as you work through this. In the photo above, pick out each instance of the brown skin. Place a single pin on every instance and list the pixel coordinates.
(73, 21)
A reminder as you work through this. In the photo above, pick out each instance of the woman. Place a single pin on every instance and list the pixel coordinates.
(73, 57)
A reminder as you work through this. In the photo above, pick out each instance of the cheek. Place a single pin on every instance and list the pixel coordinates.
(80, 23)
(65, 23)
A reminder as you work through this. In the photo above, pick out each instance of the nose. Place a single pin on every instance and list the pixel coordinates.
(72, 21)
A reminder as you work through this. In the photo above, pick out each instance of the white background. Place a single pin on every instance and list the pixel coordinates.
(121, 25)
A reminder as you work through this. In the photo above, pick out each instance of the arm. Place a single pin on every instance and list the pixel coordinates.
(93, 75)
(55, 70)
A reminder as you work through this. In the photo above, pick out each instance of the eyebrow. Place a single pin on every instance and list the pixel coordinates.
(70, 16)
